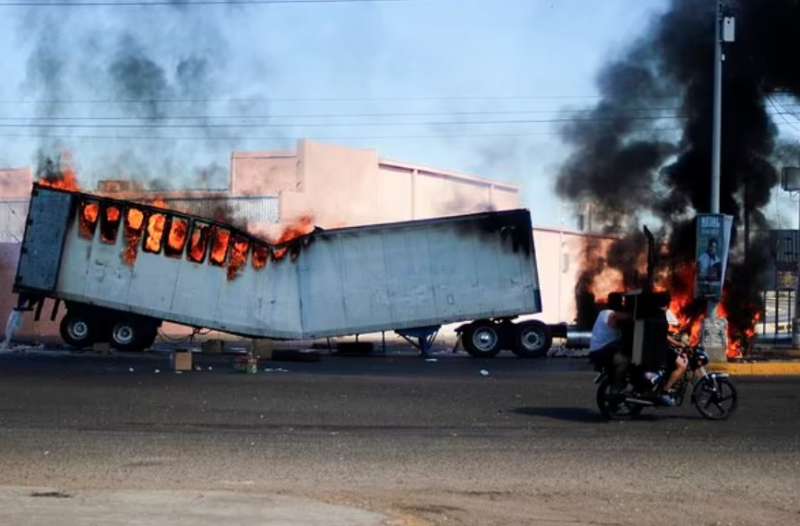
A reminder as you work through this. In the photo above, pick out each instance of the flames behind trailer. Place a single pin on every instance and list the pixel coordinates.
(122, 268)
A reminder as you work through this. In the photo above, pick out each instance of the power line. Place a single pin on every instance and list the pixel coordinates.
(247, 100)
(283, 137)
(334, 125)
(184, 3)
(329, 115)
(778, 112)
(654, 112)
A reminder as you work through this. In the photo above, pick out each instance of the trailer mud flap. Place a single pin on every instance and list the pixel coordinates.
(40, 255)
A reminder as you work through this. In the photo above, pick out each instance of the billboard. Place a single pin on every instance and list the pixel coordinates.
(713, 241)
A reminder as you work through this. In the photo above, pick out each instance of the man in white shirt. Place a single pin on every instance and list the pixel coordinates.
(605, 347)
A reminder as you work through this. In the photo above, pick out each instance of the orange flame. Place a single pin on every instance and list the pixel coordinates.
(176, 239)
(219, 245)
(155, 231)
(739, 338)
(260, 256)
(302, 227)
(133, 234)
(682, 303)
(197, 243)
(238, 256)
(110, 225)
(67, 179)
(90, 210)
(691, 313)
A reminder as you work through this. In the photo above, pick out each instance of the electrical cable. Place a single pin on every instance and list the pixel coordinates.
(184, 3)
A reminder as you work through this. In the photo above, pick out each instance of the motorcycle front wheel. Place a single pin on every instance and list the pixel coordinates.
(715, 398)
(614, 407)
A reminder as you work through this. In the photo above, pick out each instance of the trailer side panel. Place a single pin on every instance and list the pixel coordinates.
(39, 260)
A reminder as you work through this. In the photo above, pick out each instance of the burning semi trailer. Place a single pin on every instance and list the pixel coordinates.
(122, 268)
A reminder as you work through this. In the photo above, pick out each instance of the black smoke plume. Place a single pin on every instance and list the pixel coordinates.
(646, 150)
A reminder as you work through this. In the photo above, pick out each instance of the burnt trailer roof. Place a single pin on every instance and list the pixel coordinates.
(518, 219)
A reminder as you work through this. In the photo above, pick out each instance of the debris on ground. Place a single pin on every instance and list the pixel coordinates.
(484, 372)
(182, 360)
(246, 364)
(276, 370)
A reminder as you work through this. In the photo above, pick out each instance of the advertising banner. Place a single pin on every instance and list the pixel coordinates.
(713, 242)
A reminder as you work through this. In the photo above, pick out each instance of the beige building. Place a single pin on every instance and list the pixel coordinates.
(341, 186)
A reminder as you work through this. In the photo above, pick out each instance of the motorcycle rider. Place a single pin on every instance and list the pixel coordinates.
(606, 347)
(681, 361)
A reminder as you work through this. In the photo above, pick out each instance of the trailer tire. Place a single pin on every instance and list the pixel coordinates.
(482, 339)
(533, 339)
(128, 335)
(77, 330)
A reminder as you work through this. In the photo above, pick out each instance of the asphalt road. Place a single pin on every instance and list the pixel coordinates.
(399, 439)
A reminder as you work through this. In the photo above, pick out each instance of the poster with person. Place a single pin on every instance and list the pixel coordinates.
(713, 240)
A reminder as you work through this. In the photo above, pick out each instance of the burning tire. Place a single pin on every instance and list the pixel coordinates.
(532, 339)
(77, 330)
(482, 339)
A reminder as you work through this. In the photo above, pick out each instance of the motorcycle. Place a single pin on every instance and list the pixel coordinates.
(713, 394)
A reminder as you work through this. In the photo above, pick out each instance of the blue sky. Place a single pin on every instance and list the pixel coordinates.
(328, 72)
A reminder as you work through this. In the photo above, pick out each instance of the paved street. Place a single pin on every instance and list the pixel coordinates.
(379, 440)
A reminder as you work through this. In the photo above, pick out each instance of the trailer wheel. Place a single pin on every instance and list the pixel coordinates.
(533, 339)
(77, 330)
(127, 335)
(482, 339)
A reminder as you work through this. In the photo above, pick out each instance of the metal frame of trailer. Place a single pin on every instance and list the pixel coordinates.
(324, 271)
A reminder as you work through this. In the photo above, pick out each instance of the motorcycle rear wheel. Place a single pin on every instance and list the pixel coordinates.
(611, 409)
(715, 403)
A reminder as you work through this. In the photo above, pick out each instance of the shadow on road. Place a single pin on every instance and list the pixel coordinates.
(591, 415)
(572, 414)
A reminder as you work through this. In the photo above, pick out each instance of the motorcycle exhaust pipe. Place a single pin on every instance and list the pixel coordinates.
(638, 401)
(578, 339)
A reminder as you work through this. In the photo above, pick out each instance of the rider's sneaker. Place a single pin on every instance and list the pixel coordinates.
(666, 400)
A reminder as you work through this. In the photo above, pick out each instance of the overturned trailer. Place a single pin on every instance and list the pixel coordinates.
(122, 268)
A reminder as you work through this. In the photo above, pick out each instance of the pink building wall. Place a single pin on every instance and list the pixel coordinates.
(15, 183)
(559, 255)
(340, 186)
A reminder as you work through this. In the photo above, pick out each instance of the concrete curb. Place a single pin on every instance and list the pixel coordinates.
(758, 368)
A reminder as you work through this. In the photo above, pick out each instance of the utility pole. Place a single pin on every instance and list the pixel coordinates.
(716, 140)
(715, 330)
